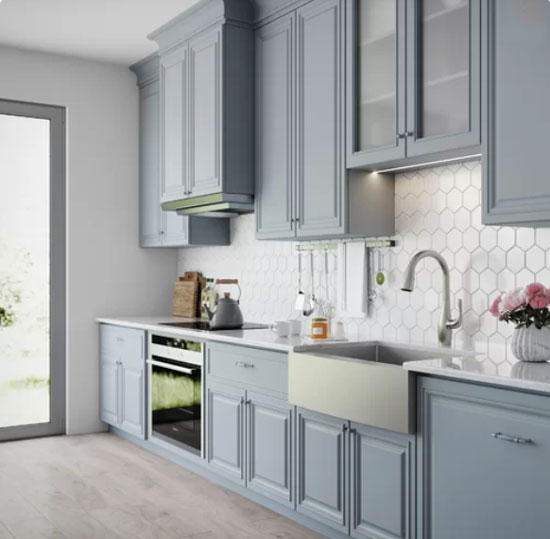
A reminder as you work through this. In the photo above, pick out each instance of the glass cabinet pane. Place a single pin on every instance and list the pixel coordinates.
(443, 69)
(377, 68)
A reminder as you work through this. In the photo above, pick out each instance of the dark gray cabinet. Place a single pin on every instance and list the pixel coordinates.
(303, 189)
(269, 469)
(226, 430)
(157, 227)
(122, 360)
(414, 81)
(382, 472)
(483, 459)
(207, 103)
(516, 190)
(322, 468)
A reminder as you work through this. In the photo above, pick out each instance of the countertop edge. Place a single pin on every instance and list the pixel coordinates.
(488, 379)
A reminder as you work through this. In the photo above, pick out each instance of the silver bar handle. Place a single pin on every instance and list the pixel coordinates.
(171, 367)
(513, 439)
(244, 364)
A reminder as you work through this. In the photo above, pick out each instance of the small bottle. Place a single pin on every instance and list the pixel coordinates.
(319, 328)
(207, 295)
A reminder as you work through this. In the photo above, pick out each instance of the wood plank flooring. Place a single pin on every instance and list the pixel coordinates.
(99, 486)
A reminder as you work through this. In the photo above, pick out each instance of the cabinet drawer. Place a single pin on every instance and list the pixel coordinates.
(125, 344)
(249, 366)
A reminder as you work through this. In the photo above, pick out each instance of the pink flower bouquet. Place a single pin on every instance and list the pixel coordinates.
(523, 306)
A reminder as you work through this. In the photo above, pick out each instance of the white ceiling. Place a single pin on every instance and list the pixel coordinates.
(106, 30)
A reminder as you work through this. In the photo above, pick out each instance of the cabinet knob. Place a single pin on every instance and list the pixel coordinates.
(410, 133)
(400, 136)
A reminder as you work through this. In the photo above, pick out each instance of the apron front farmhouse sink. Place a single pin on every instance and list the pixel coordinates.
(363, 382)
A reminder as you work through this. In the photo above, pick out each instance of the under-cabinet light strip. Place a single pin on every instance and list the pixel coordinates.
(428, 164)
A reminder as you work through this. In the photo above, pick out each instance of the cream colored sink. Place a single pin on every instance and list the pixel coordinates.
(362, 382)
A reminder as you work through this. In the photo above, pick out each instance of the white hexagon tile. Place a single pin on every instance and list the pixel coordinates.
(438, 208)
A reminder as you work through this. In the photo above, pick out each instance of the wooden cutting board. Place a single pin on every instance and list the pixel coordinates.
(186, 298)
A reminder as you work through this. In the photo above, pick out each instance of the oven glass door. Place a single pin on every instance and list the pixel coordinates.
(176, 394)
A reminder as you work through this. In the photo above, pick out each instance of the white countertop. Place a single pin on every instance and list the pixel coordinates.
(472, 368)
(521, 375)
(258, 338)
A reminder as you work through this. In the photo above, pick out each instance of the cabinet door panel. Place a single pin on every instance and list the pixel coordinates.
(173, 84)
(204, 114)
(225, 441)
(320, 168)
(381, 484)
(109, 391)
(376, 85)
(175, 230)
(321, 468)
(269, 436)
(444, 76)
(275, 129)
(480, 486)
(516, 187)
(149, 166)
(132, 399)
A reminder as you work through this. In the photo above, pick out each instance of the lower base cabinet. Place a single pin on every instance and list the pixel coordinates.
(225, 435)
(382, 484)
(122, 401)
(484, 459)
(321, 468)
(356, 479)
(269, 436)
(250, 439)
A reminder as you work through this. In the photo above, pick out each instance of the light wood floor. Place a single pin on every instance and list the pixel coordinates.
(99, 486)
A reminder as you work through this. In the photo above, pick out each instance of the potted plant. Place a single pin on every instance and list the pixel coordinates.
(527, 308)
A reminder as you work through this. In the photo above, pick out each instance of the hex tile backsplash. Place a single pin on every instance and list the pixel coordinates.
(436, 208)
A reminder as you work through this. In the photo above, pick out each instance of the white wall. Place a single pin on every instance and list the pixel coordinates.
(108, 274)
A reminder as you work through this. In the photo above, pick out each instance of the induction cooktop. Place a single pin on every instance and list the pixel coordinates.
(203, 325)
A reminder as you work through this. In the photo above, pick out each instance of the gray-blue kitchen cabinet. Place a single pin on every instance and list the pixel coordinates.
(122, 358)
(516, 190)
(483, 462)
(205, 105)
(157, 227)
(225, 408)
(207, 102)
(414, 81)
(269, 436)
(250, 423)
(322, 468)
(275, 148)
(303, 187)
(382, 472)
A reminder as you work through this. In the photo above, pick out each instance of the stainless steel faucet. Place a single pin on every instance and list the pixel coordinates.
(446, 323)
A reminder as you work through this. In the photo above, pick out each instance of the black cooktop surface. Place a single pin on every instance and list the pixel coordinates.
(205, 326)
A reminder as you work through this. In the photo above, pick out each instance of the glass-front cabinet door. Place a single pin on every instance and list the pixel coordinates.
(376, 81)
(443, 75)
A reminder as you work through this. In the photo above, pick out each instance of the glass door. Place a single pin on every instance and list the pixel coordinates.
(376, 105)
(32, 270)
(444, 58)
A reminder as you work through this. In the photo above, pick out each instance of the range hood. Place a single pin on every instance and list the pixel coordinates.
(215, 205)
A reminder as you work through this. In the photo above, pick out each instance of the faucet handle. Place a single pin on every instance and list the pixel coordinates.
(457, 322)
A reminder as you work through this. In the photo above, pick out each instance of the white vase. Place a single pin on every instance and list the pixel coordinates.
(531, 344)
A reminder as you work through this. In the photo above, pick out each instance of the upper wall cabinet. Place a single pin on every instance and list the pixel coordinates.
(414, 81)
(515, 165)
(302, 187)
(206, 100)
(157, 227)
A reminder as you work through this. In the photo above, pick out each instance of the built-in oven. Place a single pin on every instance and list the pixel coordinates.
(175, 381)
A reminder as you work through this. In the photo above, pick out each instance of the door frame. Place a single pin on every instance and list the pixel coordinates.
(58, 230)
